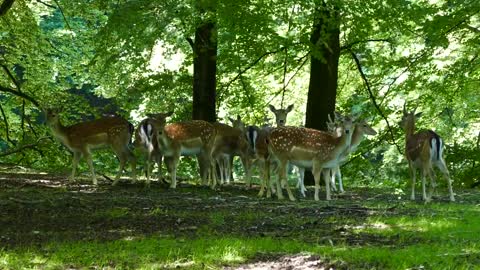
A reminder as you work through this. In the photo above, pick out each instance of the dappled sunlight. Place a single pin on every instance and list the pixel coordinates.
(376, 226)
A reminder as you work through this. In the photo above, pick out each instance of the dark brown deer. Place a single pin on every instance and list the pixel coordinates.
(422, 150)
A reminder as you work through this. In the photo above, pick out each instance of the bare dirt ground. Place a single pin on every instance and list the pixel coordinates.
(37, 208)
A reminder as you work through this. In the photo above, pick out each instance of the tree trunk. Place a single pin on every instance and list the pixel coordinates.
(204, 69)
(204, 72)
(322, 90)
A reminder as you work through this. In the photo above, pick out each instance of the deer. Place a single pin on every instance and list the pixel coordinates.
(361, 129)
(194, 137)
(82, 138)
(308, 148)
(281, 114)
(257, 137)
(230, 142)
(423, 149)
(146, 140)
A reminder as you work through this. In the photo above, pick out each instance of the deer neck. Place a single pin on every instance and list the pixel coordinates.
(357, 137)
(59, 131)
(344, 142)
(409, 129)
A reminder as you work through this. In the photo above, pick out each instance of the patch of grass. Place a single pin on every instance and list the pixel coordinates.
(128, 227)
(154, 252)
(217, 218)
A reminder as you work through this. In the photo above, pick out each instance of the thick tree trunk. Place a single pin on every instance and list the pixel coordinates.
(5, 6)
(322, 90)
(204, 72)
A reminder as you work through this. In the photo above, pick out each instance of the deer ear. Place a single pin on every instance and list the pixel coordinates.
(272, 108)
(418, 115)
(289, 108)
(238, 118)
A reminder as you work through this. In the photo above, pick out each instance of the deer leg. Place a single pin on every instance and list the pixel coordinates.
(148, 161)
(287, 186)
(173, 167)
(213, 173)
(246, 168)
(300, 183)
(425, 171)
(262, 179)
(433, 182)
(316, 175)
(326, 176)
(133, 163)
(331, 175)
(443, 168)
(75, 160)
(281, 176)
(413, 175)
(88, 157)
(338, 173)
(158, 160)
(274, 170)
(221, 166)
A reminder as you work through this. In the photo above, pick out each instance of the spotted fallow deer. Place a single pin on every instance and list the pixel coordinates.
(81, 138)
(195, 137)
(422, 150)
(257, 138)
(146, 140)
(361, 129)
(230, 142)
(308, 148)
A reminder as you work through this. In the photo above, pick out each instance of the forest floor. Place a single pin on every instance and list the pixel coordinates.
(48, 224)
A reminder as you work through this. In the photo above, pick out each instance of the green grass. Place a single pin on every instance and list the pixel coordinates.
(128, 227)
(155, 252)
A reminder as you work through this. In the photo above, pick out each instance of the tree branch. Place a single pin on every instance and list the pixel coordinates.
(21, 148)
(7, 130)
(48, 5)
(190, 41)
(372, 97)
(63, 15)
(10, 75)
(350, 46)
(6, 5)
(20, 94)
(249, 67)
(305, 59)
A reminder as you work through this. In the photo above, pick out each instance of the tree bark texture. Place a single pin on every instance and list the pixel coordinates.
(204, 72)
(5, 6)
(322, 90)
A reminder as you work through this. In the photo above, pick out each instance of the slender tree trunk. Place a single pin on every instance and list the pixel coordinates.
(322, 90)
(204, 72)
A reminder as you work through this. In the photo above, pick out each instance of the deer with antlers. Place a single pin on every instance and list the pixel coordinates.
(195, 137)
(81, 138)
(422, 150)
(360, 130)
(308, 148)
(146, 140)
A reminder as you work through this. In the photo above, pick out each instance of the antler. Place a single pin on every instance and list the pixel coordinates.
(330, 121)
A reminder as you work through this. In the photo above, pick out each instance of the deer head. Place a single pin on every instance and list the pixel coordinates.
(281, 114)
